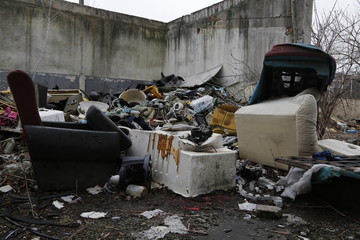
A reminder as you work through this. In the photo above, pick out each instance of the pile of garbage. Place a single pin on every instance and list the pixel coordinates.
(158, 106)
(163, 105)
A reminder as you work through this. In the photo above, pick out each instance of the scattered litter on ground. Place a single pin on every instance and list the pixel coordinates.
(294, 220)
(136, 190)
(247, 206)
(68, 198)
(57, 204)
(153, 213)
(93, 215)
(94, 190)
(203, 115)
(6, 188)
(173, 225)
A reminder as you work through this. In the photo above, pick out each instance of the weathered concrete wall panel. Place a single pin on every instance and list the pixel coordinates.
(79, 40)
(100, 45)
(237, 34)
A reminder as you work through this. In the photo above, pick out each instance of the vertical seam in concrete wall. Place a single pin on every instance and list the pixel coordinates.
(28, 39)
(293, 21)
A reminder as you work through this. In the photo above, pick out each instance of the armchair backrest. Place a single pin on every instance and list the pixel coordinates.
(98, 121)
(23, 92)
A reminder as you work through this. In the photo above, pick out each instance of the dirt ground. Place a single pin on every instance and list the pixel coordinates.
(211, 216)
(331, 211)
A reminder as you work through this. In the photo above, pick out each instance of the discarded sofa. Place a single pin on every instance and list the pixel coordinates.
(65, 155)
(282, 113)
(277, 128)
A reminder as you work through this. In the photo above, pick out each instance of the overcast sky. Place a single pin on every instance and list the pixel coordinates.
(167, 10)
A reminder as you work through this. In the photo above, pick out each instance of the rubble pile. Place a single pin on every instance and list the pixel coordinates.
(178, 133)
(147, 108)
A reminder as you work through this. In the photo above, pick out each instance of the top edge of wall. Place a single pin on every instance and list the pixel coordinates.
(75, 8)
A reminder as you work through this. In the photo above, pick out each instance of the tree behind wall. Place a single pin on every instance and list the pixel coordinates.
(338, 33)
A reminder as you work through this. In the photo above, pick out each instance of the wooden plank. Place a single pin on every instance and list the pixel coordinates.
(349, 163)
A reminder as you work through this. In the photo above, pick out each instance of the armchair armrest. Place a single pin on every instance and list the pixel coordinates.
(70, 125)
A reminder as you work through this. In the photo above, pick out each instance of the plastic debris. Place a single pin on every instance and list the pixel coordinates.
(247, 206)
(115, 218)
(267, 211)
(257, 197)
(18, 168)
(353, 131)
(155, 232)
(57, 204)
(202, 104)
(9, 145)
(262, 181)
(153, 213)
(6, 188)
(247, 217)
(296, 184)
(68, 198)
(76, 200)
(136, 190)
(342, 126)
(93, 215)
(294, 220)
(94, 190)
(173, 225)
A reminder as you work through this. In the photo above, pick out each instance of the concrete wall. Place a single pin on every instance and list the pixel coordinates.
(347, 109)
(79, 41)
(83, 41)
(237, 34)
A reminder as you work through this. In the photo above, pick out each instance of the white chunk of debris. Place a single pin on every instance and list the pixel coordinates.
(247, 217)
(57, 204)
(94, 190)
(68, 198)
(246, 206)
(264, 182)
(173, 225)
(93, 215)
(6, 188)
(155, 232)
(303, 238)
(294, 220)
(151, 214)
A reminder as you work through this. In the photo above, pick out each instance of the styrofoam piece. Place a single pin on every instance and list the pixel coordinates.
(52, 115)
(177, 139)
(187, 173)
(267, 130)
(93, 215)
(339, 147)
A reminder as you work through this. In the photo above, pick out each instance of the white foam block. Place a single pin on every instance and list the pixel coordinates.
(52, 115)
(188, 173)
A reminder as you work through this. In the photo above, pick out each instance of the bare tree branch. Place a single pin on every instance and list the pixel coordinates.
(337, 32)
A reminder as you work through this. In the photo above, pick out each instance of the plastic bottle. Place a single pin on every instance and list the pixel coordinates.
(202, 104)
(10, 144)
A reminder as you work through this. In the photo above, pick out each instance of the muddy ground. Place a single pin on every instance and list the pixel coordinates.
(329, 212)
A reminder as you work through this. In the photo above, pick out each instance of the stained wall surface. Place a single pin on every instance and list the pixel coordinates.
(97, 49)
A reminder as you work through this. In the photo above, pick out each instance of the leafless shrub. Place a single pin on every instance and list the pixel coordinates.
(337, 33)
